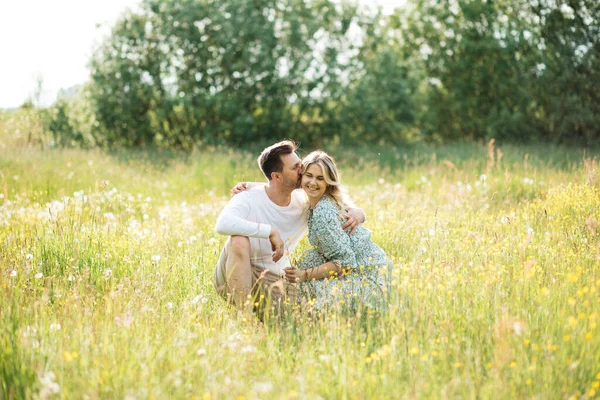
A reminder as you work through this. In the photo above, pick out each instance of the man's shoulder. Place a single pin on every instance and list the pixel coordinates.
(256, 192)
(248, 197)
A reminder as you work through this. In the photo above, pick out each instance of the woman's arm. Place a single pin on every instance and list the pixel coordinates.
(327, 270)
(242, 186)
(331, 241)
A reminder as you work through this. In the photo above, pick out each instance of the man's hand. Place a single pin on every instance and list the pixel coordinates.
(294, 275)
(353, 218)
(276, 244)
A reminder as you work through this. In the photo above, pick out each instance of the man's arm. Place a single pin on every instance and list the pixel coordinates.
(354, 217)
(232, 222)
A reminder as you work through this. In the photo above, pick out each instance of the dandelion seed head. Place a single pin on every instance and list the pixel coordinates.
(249, 349)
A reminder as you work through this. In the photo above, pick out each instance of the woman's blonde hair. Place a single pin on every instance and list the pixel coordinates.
(332, 177)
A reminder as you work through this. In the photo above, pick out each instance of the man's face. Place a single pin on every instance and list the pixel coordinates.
(291, 170)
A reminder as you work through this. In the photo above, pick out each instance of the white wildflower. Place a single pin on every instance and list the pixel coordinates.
(39, 275)
(125, 320)
(518, 328)
(47, 385)
(248, 349)
(109, 216)
(263, 386)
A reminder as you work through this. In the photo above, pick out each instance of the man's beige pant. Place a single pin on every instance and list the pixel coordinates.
(270, 291)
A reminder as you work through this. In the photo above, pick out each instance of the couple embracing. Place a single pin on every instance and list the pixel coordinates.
(265, 222)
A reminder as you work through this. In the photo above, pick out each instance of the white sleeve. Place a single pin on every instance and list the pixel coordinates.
(232, 220)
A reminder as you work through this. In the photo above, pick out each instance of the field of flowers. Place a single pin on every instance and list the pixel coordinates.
(106, 290)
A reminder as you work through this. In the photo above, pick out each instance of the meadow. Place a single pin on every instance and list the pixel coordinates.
(107, 258)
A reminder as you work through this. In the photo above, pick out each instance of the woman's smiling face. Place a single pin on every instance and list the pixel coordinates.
(313, 182)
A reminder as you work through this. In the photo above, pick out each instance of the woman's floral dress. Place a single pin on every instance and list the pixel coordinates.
(363, 262)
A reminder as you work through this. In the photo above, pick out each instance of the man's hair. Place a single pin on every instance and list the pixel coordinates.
(269, 160)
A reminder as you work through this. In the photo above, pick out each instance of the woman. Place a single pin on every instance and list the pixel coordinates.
(340, 270)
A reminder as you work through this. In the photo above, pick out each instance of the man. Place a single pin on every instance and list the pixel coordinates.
(265, 223)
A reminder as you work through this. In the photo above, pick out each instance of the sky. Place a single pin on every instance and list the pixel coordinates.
(53, 40)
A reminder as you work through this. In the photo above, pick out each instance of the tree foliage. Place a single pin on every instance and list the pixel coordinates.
(187, 72)
(515, 69)
(183, 72)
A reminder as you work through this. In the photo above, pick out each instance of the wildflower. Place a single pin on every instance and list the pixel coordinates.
(55, 326)
(48, 386)
(573, 365)
(201, 352)
(109, 216)
(13, 273)
(248, 349)
(517, 328)
(39, 275)
(125, 320)
(263, 386)
(29, 256)
(156, 258)
(169, 305)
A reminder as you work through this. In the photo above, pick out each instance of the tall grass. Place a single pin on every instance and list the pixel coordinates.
(107, 262)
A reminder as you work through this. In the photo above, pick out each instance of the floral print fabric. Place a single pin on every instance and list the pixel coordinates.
(363, 262)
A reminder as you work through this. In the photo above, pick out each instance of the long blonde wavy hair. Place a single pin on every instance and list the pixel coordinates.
(332, 177)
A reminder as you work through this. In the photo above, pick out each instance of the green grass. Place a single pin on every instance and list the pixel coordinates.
(107, 262)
